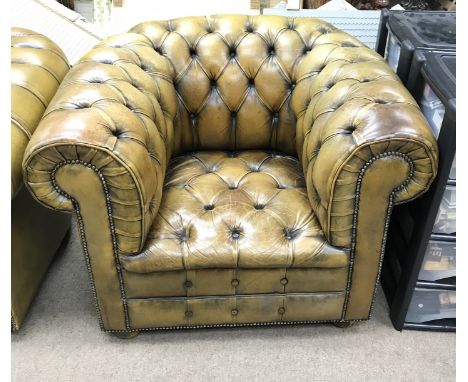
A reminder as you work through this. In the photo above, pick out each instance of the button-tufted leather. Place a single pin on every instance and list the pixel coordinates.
(38, 66)
(258, 217)
(296, 106)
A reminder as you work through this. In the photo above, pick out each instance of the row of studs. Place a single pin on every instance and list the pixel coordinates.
(83, 235)
(387, 223)
(208, 326)
(387, 220)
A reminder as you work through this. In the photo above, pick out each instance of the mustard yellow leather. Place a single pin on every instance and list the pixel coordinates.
(117, 117)
(226, 282)
(188, 148)
(235, 210)
(37, 67)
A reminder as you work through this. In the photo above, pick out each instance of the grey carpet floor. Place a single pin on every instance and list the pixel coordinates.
(61, 341)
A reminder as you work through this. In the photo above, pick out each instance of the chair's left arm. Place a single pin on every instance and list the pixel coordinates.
(102, 149)
(365, 146)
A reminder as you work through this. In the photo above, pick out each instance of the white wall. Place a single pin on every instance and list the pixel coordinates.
(137, 11)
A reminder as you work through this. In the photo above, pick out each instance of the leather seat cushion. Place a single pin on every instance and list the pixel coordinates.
(245, 209)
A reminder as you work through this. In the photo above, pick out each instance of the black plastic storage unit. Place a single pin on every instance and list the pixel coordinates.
(401, 33)
(418, 274)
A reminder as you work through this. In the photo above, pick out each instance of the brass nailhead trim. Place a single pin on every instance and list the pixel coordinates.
(367, 164)
(83, 236)
(273, 323)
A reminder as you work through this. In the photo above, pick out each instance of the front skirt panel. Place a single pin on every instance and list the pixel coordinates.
(232, 310)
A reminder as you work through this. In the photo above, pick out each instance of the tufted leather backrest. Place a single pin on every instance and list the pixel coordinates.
(234, 75)
(38, 66)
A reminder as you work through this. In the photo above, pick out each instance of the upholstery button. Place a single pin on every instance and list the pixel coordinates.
(292, 85)
(209, 207)
(213, 82)
(192, 116)
(249, 28)
(232, 53)
(235, 234)
(289, 233)
(192, 51)
(232, 187)
(234, 312)
(259, 206)
(188, 284)
(281, 310)
(251, 82)
(182, 235)
(284, 281)
(235, 282)
(233, 114)
(271, 50)
(188, 313)
(275, 115)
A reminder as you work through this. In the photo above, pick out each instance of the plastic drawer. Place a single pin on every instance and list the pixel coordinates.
(439, 261)
(433, 109)
(392, 51)
(431, 304)
(446, 221)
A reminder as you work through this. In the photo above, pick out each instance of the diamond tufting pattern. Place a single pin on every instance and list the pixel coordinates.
(235, 210)
(201, 151)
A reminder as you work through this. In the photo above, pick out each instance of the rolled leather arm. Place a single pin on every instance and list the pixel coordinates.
(113, 114)
(352, 110)
(38, 66)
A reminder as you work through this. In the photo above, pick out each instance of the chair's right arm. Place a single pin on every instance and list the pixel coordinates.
(365, 146)
(101, 149)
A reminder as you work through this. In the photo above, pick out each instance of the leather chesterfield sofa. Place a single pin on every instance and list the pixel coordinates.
(38, 66)
(231, 170)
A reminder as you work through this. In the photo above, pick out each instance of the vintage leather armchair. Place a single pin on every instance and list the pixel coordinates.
(37, 67)
(231, 170)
